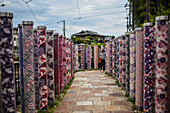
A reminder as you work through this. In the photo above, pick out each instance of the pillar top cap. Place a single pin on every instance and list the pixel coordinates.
(41, 27)
(6, 14)
(161, 18)
(138, 29)
(149, 24)
(126, 34)
(123, 36)
(132, 32)
(81, 44)
(27, 22)
(55, 34)
(50, 31)
(35, 29)
(19, 25)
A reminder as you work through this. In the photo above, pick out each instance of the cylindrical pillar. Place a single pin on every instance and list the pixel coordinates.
(76, 57)
(162, 51)
(132, 64)
(82, 56)
(7, 63)
(95, 57)
(120, 59)
(58, 64)
(64, 62)
(108, 57)
(117, 54)
(41, 32)
(36, 77)
(88, 57)
(113, 58)
(148, 67)
(168, 104)
(28, 63)
(21, 67)
(110, 52)
(71, 45)
(50, 65)
(139, 67)
(127, 62)
(123, 62)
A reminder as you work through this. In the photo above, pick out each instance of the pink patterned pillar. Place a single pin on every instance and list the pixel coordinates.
(162, 51)
(82, 56)
(41, 32)
(139, 68)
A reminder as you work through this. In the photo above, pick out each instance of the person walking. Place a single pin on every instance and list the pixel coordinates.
(102, 56)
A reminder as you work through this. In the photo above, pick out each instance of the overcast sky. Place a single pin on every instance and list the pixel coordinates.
(106, 17)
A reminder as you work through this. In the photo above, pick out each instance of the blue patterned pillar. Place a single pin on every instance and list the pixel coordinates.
(148, 67)
(28, 63)
(21, 66)
(7, 63)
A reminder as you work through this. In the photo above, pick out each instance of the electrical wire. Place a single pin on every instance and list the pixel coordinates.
(78, 7)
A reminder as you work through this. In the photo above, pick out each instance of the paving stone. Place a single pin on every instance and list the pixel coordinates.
(109, 98)
(81, 112)
(120, 98)
(112, 108)
(85, 103)
(95, 107)
(78, 108)
(101, 94)
(93, 86)
(71, 92)
(102, 102)
(94, 98)
(120, 103)
(96, 91)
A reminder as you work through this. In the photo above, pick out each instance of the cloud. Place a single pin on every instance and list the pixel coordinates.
(97, 15)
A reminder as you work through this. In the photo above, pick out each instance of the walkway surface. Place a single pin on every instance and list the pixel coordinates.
(93, 92)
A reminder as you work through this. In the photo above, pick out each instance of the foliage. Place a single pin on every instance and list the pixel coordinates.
(157, 7)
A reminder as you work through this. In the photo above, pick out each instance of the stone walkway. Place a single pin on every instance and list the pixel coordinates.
(93, 92)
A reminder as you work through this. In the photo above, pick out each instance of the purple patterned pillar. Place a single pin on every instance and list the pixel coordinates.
(148, 67)
(7, 63)
(127, 62)
(123, 62)
(82, 56)
(110, 52)
(114, 57)
(168, 104)
(132, 64)
(41, 33)
(36, 77)
(76, 57)
(139, 67)
(117, 57)
(162, 39)
(64, 62)
(50, 65)
(120, 60)
(28, 63)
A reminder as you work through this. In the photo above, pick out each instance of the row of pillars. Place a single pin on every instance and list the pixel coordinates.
(140, 60)
(45, 60)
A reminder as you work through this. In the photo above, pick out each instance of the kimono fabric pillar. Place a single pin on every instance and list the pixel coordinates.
(117, 49)
(21, 66)
(58, 63)
(50, 65)
(76, 57)
(139, 67)
(120, 60)
(71, 45)
(95, 57)
(36, 77)
(107, 56)
(7, 63)
(132, 64)
(88, 58)
(127, 62)
(110, 70)
(82, 56)
(148, 67)
(28, 63)
(113, 58)
(64, 62)
(161, 64)
(123, 62)
(168, 104)
(41, 32)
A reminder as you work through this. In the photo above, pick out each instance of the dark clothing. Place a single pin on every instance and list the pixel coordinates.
(102, 64)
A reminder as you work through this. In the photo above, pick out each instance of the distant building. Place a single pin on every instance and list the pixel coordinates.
(16, 42)
(85, 34)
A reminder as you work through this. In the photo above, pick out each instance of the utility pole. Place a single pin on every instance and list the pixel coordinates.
(147, 9)
(64, 29)
(127, 25)
(133, 16)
